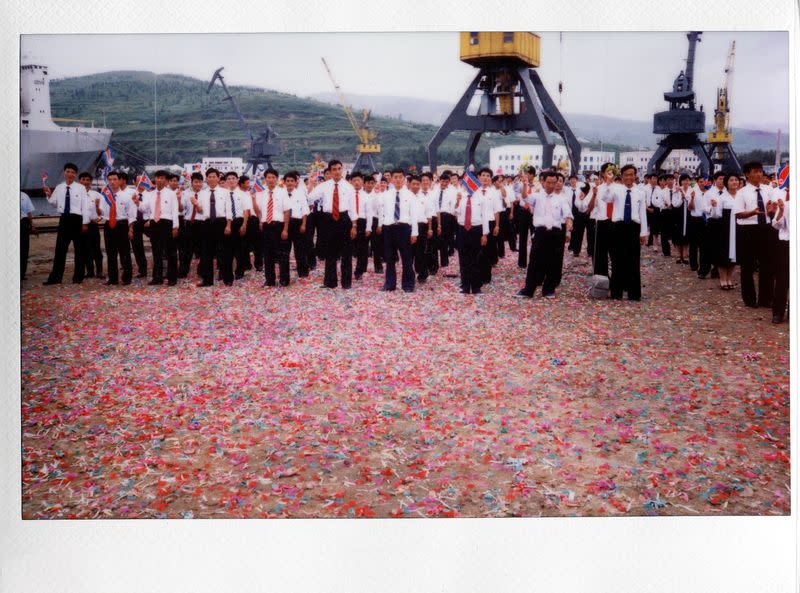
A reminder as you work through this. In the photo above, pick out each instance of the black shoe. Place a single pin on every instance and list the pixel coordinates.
(50, 282)
(523, 295)
(408, 290)
(266, 284)
(422, 280)
(284, 284)
(478, 291)
(141, 275)
(777, 319)
(203, 284)
(78, 281)
(155, 282)
(239, 276)
(228, 283)
(462, 291)
(702, 276)
(172, 282)
(751, 305)
(91, 275)
(387, 289)
(357, 277)
(126, 283)
(110, 283)
(101, 276)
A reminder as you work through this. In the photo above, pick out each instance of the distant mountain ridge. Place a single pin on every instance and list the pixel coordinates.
(591, 128)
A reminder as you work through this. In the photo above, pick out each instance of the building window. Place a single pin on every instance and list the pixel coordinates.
(508, 37)
(473, 38)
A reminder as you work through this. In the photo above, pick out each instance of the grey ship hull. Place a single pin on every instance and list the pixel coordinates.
(48, 150)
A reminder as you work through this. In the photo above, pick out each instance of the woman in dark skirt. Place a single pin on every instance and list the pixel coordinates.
(680, 219)
(724, 253)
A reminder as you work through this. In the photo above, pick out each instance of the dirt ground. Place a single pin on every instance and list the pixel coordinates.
(147, 402)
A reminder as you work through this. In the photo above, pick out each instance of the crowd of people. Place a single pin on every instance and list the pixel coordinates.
(422, 221)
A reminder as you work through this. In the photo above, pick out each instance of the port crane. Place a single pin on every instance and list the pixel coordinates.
(720, 139)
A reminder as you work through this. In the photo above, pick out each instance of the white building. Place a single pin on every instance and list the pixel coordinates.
(677, 160)
(509, 158)
(223, 164)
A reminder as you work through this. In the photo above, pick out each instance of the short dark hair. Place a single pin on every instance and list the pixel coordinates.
(605, 166)
(413, 178)
(110, 173)
(358, 174)
(333, 162)
(123, 176)
(627, 168)
(547, 174)
(72, 166)
(483, 170)
(84, 175)
(752, 166)
(728, 177)
(271, 171)
(663, 177)
(496, 177)
(211, 170)
(172, 176)
(398, 170)
(446, 173)
(231, 174)
(426, 174)
(197, 175)
(719, 174)
(160, 173)
(243, 179)
(683, 178)
(369, 179)
(573, 176)
(291, 175)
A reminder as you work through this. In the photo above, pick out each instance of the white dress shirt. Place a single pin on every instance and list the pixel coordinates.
(782, 223)
(408, 209)
(449, 197)
(477, 209)
(747, 199)
(204, 201)
(126, 209)
(234, 202)
(548, 209)
(78, 200)
(94, 201)
(361, 206)
(280, 203)
(697, 210)
(649, 191)
(431, 202)
(25, 205)
(374, 206)
(605, 194)
(718, 196)
(347, 202)
(169, 205)
(638, 206)
(298, 203)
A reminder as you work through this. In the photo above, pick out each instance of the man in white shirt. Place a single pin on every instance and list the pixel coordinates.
(649, 188)
(442, 195)
(779, 208)
(548, 211)
(210, 212)
(472, 235)
(423, 230)
(433, 236)
(236, 206)
(299, 210)
(712, 229)
(26, 227)
(579, 219)
(92, 254)
(360, 243)
(137, 243)
(276, 211)
(72, 204)
(698, 259)
(251, 243)
(118, 212)
(373, 219)
(600, 210)
(629, 220)
(182, 243)
(160, 209)
(662, 208)
(492, 200)
(338, 225)
(755, 239)
(522, 214)
(191, 237)
(399, 227)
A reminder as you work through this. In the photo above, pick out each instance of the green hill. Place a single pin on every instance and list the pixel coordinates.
(193, 124)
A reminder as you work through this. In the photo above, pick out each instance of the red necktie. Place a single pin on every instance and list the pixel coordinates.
(335, 205)
(269, 208)
(112, 216)
(468, 214)
(356, 202)
(194, 208)
(157, 213)
(609, 209)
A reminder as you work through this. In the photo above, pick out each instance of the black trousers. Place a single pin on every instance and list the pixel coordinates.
(233, 246)
(420, 255)
(447, 240)
(544, 262)
(755, 245)
(695, 228)
(276, 251)
(253, 244)
(24, 244)
(625, 261)
(503, 236)
(487, 257)
(316, 237)
(468, 243)
(297, 240)
(92, 254)
(213, 232)
(361, 248)
(591, 231)
(163, 244)
(781, 267)
(118, 247)
(665, 226)
(337, 246)
(70, 230)
(397, 240)
(137, 245)
(580, 223)
(524, 218)
(185, 250)
(561, 249)
(377, 242)
(511, 231)
(433, 249)
(603, 241)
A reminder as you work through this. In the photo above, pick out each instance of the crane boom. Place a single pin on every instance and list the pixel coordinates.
(343, 102)
(229, 97)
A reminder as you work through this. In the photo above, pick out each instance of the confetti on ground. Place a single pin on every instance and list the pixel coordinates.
(143, 402)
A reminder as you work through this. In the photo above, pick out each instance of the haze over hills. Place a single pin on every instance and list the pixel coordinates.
(590, 128)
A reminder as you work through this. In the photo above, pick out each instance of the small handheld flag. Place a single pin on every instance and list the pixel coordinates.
(108, 195)
(109, 156)
(783, 177)
(470, 182)
(144, 183)
(258, 186)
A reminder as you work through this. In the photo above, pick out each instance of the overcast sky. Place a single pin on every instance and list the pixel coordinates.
(612, 74)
